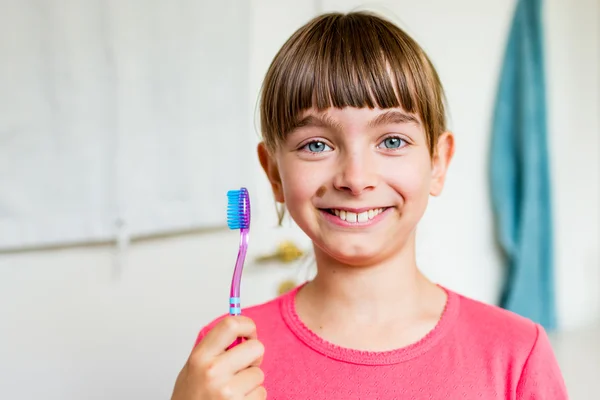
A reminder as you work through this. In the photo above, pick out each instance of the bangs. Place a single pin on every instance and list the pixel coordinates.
(353, 60)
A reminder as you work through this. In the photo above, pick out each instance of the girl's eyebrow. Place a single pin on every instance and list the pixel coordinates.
(325, 121)
(393, 117)
(318, 121)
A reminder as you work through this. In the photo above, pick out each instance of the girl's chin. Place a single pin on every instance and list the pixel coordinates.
(353, 254)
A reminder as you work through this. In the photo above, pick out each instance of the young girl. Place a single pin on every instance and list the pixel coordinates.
(355, 142)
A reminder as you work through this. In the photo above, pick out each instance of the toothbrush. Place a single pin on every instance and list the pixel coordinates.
(238, 217)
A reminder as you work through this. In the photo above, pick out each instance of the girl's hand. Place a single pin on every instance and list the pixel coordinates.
(214, 373)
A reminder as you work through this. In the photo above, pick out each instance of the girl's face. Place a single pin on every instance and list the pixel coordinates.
(357, 180)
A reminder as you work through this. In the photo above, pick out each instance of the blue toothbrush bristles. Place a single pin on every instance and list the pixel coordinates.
(238, 209)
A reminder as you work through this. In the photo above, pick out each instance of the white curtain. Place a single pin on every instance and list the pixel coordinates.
(120, 117)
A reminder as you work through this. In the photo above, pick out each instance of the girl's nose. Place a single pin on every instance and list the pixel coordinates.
(356, 173)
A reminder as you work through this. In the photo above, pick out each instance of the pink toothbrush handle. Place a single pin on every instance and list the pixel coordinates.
(234, 294)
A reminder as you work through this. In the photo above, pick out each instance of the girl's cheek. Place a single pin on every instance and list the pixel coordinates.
(410, 181)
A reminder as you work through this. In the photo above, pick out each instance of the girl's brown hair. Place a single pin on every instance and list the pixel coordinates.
(356, 59)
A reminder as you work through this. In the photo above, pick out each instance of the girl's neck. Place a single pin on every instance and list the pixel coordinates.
(371, 288)
(389, 291)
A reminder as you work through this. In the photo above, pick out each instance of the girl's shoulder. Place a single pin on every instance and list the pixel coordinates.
(496, 326)
(266, 315)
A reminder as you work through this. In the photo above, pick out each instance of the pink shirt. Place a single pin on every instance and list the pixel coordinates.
(476, 351)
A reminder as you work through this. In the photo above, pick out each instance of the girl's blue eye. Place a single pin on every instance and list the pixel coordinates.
(317, 147)
(392, 142)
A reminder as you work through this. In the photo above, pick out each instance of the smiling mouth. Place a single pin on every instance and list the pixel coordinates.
(354, 217)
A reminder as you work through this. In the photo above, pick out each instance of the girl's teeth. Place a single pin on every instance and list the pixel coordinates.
(363, 216)
(350, 216)
(354, 217)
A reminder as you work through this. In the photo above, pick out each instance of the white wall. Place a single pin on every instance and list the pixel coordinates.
(73, 327)
(573, 62)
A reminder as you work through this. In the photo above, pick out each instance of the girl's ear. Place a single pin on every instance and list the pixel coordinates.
(269, 165)
(442, 156)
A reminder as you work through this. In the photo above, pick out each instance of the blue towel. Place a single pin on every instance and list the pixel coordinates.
(520, 182)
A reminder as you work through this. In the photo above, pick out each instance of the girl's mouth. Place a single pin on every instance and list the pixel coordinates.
(352, 217)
